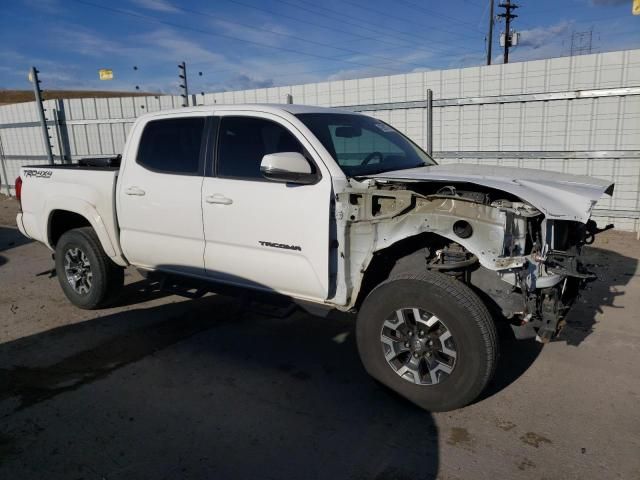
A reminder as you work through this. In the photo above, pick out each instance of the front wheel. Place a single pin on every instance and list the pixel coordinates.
(429, 338)
(88, 277)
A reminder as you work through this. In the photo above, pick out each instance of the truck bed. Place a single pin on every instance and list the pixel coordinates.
(82, 189)
(86, 163)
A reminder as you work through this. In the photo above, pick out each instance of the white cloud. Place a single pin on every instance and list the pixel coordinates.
(539, 37)
(157, 5)
(169, 45)
(160, 45)
(245, 82)
(86, 42)
(351, 73)
(468, 60)
(266, 33)
(48, 6)
(384, 63)
(537, 43)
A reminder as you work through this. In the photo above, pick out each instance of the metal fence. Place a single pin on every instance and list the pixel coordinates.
(572, 114)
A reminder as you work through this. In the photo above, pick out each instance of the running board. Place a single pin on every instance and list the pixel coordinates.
(268, 304)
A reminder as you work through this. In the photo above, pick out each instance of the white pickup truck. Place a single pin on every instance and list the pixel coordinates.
(333, 209)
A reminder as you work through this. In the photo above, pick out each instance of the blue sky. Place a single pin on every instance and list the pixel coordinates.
(239, 44)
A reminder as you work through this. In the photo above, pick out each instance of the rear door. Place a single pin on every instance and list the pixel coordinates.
(159, 196)
(263, 234)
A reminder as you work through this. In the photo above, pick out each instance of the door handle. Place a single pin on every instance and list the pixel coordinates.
(219, 199)
(137, 191)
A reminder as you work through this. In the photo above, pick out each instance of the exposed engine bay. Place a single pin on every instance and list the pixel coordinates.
(525, 266)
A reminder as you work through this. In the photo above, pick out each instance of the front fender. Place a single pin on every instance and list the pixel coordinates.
(375, 221)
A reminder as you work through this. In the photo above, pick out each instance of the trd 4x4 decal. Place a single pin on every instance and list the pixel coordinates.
(38, 173)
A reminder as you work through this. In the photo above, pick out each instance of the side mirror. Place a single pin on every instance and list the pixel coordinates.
(287, 167)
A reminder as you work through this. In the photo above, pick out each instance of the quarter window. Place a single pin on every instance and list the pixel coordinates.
(245, 140)
(172, 145)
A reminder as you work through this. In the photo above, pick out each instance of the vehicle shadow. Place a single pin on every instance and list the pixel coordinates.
(139, 292)
(11, 238)
(205, 388)
(614, 271)
(209, 388)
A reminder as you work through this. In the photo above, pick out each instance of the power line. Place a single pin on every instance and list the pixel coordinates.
(395, 45)
(231, 37)
(349, 21)
(152, 19)
(403, 19)
(376, 28)
(368, 8)
(473, 3)
(437, 14)
(300, 39)
(335, 15)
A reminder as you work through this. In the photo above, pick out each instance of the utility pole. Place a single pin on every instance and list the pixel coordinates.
(490, 36)
(33, 77)
(507, 15)
(184, 86)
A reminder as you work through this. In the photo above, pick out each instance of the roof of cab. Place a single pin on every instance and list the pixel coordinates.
(259, 107)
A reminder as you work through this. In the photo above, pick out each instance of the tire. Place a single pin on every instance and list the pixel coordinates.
(457, 366)
(88, 277)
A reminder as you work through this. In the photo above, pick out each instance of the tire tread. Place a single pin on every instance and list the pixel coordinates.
(113, 275)
(480, 315)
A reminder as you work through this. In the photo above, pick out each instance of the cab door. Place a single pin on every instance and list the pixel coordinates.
(260, 233)
(159, 195)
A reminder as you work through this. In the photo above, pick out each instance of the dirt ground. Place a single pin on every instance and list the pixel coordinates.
(163, 387)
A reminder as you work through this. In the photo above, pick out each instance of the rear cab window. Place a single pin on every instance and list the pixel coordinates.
(173, 145)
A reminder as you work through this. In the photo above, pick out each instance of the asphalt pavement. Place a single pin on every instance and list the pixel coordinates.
(162, 387)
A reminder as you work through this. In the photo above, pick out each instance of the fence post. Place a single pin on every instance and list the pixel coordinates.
(429, 120)
(61, 132)
(4, 169)
(33, 76)
(184, 86)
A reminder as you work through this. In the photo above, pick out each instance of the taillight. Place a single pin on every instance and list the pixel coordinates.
(19, 190)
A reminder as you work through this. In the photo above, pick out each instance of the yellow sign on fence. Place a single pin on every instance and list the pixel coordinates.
(105, 74)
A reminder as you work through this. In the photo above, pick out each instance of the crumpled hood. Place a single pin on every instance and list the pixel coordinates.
(557, 195)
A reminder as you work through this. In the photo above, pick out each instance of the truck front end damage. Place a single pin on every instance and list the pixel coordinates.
(521, 258)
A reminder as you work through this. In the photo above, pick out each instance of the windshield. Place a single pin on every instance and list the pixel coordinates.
(364, 145)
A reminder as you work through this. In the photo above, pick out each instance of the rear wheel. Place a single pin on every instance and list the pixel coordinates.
(88, 277)
(429, 338)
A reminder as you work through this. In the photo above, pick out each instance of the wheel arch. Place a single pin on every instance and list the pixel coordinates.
(61, 221)
(68, 214)
(383, 261)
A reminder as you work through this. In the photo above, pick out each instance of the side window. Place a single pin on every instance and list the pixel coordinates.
(243, 141)
(172, 145)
